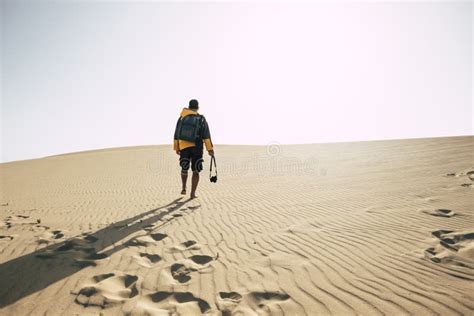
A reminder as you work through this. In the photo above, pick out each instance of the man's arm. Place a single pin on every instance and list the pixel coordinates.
(206, 137)
(176, 135)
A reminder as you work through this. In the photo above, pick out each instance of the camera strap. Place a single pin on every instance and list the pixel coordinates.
(213, 159)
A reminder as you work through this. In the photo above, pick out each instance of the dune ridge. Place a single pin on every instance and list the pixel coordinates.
(372, 228)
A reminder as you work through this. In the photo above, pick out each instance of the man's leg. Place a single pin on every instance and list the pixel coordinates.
(194, 184)
(184, 162)
(184, 179)
(196, 166)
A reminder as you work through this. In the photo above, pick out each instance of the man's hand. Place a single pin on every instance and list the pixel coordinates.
(211, 152)
(178, 151)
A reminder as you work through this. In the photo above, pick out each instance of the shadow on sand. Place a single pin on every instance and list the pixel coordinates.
(28, 274)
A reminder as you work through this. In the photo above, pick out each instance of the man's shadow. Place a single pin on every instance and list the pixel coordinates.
(35, 271)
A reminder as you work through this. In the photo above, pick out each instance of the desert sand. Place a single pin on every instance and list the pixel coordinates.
(368, 228)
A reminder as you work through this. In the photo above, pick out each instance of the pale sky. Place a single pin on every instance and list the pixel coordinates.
(86, 75)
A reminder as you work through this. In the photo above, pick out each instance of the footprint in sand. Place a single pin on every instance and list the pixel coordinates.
(452, 247)
(14, 220)
(67, 247)
(184, 211)
(6, 237)
(57, 234)
(258, 303)
(40, 228)
(441, 212)
(180, 271)
(90, 259)
(81, 244)
(48, 237)
(181, 212)
(90, 238)
(147, 260)
(201, 259)
(470, 175)
(80, 250)
(187, 245)
(149, 228)
(158, 236)
(167, 303)
(146, 240)
(227, 302)
(107, 289)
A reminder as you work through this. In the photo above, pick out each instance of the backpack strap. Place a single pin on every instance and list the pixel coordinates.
(201, 120)
(180, 120)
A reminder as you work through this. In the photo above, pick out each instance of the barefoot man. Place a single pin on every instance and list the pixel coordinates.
(190, 134)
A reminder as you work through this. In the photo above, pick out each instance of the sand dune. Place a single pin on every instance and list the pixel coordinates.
(370, 228)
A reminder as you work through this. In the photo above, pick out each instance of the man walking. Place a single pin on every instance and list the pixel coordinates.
(190, 134)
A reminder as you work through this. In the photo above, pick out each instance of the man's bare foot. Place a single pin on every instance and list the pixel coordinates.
(183, 191)
(193, 196)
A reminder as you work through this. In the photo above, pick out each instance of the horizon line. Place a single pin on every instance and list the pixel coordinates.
(270, 143)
